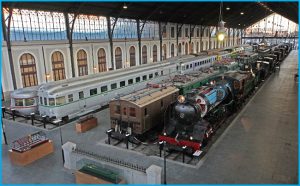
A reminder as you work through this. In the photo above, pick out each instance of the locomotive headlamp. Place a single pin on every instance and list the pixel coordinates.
(181, 99)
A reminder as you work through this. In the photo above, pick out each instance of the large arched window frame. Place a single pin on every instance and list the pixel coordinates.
(172, 50)
(186, 48)
(154, 51)
(82, 63)
(164, 50)
(144, 55)
(179, 49)
(118, 57)
(192, 47)
(101, 60)
(132, 59)
(58, 66)
(28, 70)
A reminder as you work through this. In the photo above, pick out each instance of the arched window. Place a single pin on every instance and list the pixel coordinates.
(154, 53)
(101, 60)
(82, 63)
(144, 54)
(206, 48)
(118, 58)
(179, 49)
(201, 46)
(192, 48)
(186, 48)
(28, 70)
(164, 50)
(58, 66)
(197, 47)
(172, 50)
(132, 56)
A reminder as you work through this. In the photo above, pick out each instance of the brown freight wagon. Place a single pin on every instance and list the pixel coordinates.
(142, 110)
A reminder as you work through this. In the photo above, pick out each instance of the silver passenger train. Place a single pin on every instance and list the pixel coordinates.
(69, 98)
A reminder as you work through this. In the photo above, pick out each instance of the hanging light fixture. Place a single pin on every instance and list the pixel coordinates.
(221, 32)
(124, 6)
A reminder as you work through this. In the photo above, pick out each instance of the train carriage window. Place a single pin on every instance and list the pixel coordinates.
(103, 88)
(132, 112)
(29, 102)
(19, 102)
(113, 86)
(150, 76)
(117, 109)
(81, 95)
(144, 77)
(130, 81)
(51, 102)
(93, 91)
(122, 84)
(70, 98)
(137, 79)
(41, 100)
(60, 100)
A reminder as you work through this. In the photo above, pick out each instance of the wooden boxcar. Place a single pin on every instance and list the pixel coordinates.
(138, 112)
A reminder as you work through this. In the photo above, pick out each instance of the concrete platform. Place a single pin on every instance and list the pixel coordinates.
(260, 145)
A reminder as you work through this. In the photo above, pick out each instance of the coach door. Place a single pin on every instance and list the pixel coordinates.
(82, 100)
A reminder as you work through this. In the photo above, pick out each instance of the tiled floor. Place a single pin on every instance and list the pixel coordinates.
(260, 145)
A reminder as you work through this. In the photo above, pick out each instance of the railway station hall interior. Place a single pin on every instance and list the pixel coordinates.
(149, 92)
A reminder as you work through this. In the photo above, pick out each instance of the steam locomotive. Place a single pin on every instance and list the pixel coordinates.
(194, 117)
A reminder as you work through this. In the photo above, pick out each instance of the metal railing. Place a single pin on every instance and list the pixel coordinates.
(111, 160)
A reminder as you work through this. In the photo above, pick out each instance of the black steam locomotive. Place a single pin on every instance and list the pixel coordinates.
(193, 118)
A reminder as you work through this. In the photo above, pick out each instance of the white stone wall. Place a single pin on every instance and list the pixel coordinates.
(42, 51)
